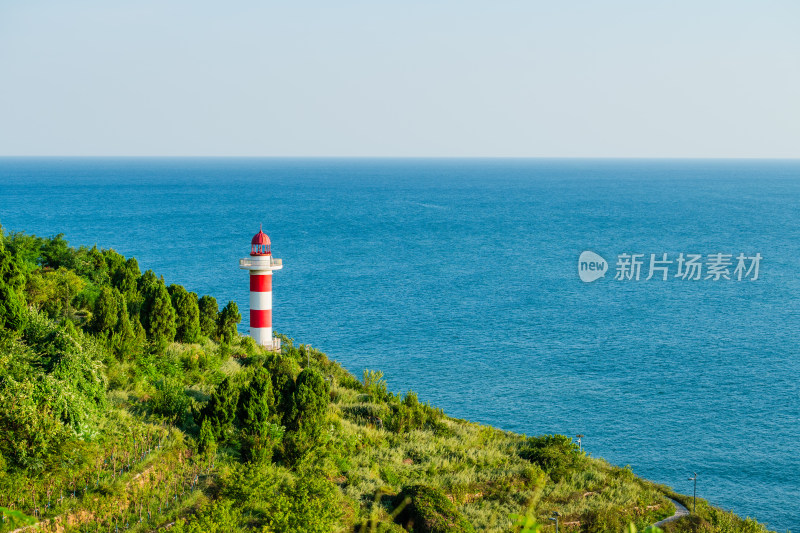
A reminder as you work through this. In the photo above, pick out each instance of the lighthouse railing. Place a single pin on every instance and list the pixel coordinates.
(260, 262)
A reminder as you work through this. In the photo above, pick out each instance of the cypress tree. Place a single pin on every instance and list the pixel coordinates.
(206, 441)
(106, 311)
(95, 267)
(309, 401)
(227, 321)
(125, 277)
(257, 403)
(158, 315)
(220, 411)
(209, 311)
(187, 314)
(56, 252)
(114, 261)
(12, 304)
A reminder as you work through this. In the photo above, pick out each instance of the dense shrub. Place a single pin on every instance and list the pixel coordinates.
(410, 414)
(555, 454)
(54, 292)
(52, 388)
(170, 400)
(367, 413)
(375, 386)
(430, 511)
(222, 516)
(279, 502)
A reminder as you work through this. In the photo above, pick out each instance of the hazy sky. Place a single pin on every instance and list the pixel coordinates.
(407, 78)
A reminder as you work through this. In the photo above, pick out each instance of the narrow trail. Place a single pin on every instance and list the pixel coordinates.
(680, 511)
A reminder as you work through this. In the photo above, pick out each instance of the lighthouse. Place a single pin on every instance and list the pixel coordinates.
(261, 264)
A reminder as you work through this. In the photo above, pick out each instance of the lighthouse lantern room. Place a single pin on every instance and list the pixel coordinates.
(261, 264)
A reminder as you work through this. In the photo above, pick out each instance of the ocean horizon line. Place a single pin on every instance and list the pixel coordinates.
(409, 158)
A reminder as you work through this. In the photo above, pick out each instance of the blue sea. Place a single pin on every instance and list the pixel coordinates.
(458, 279)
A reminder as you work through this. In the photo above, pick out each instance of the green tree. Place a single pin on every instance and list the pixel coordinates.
(129, 337)
(310, 401)
(12, 304)
(257, 403)
(26, 248)
(206, 441)
(187, 314)
(56, 252)
(125, 277)
(209, 310)
(106, 311)
(227, 321)
(157, 314)
(305, 415)
(114, 261)
(54, 292)
(220, 411)
(147, 282)
(93, 265)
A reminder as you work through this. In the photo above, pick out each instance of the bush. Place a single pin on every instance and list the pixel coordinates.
(430, 511)
(213, 517)
(282, 502)
(170, 400)
(555, 454)
(410, 414)
(375, 386)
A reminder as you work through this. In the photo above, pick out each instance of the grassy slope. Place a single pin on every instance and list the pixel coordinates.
(478, 467)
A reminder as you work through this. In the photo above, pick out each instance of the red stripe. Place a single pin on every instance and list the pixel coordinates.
(261, 283)
(261, 319)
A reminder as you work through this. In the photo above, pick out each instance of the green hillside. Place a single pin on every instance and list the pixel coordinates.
(127, 404)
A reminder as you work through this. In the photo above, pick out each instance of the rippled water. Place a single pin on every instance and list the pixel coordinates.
(458, 279)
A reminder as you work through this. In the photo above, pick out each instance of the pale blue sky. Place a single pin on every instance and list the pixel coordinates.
(413, 78)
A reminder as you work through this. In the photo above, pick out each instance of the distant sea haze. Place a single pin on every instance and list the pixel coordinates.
(459, 279)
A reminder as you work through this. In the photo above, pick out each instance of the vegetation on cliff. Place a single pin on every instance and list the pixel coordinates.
(129, 404)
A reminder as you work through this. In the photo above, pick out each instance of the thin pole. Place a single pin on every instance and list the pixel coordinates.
(694, 496)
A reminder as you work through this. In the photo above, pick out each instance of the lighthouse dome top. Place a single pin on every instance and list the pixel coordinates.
(259, 244)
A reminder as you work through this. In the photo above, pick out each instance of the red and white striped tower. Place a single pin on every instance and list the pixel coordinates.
(261, 264)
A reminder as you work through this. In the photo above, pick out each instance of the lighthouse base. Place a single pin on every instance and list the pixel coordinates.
(263, 337)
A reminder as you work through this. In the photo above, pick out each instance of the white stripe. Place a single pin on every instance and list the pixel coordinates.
(262, 336)
(261, 301)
